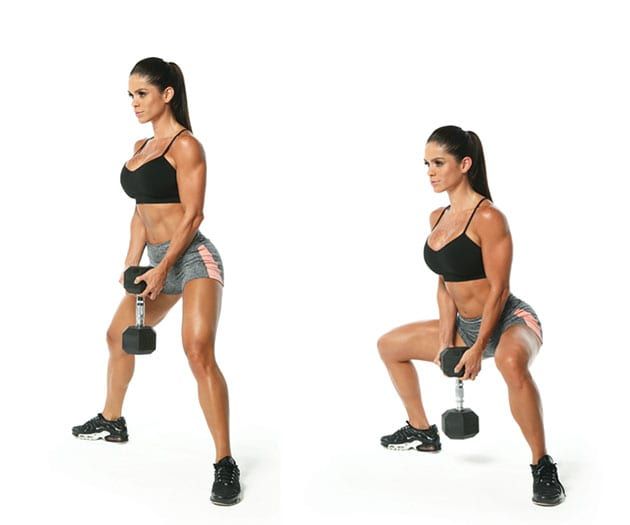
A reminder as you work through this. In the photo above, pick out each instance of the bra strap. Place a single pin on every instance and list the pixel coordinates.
(143, 145)
(436, 222)
(171, 142)
(473, 213)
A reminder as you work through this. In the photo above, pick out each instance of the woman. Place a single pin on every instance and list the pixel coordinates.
(470, 248)
(167, 176)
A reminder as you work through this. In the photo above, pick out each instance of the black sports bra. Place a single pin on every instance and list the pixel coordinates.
(458, 260)
(154, 182)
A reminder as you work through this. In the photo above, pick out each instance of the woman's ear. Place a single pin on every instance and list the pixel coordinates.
(168, 94)
(466, 164)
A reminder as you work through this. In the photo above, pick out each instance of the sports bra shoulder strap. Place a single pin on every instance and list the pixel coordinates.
(436, 222)
(473, 213)
(173, 140)
(143, 144)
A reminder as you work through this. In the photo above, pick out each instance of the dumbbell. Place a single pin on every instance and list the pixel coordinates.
(460, 422)
(138, 339)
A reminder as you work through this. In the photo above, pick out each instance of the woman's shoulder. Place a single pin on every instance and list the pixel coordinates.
(186, 144)
(489, 211)
(433, 217)
(139, 143)
(490, 217)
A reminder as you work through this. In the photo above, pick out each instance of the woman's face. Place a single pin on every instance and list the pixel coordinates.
(146, 100)
(443, 168)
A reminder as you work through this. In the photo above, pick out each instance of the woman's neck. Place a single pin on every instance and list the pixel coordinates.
(463, 198)
(165, 127)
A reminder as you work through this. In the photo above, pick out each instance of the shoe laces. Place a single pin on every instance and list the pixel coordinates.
(408, 430)
(91, 423)
(402, 432)
(547, 474)
(226, 474)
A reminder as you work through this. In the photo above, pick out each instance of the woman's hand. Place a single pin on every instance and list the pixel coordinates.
(155, 280)
(471, 362)
(443, 346)
(121, 279)
(436, 360)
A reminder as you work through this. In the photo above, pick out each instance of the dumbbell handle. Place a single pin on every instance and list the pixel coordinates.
(459, 394)
(139, 311)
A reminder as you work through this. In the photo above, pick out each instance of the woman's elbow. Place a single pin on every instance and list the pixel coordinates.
(197, 219)
(502, 291)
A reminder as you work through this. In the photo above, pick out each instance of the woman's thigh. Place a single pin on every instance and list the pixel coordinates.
(154, 311)
(418, 340)
(201, 309)
(517, 348)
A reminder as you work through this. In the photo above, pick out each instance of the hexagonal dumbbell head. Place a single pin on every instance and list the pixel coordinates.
(460, 424)
(138, 340)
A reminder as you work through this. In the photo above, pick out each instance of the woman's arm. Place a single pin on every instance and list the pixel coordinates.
(137, 240)
(496, 251)
(138, 237)
(446, 305)
(191, 182)
(448, 311)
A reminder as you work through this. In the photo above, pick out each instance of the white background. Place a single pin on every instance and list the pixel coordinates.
(313, 116)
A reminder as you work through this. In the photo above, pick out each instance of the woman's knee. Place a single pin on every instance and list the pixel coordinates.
(411, 341)
(513, 368)
(392, 344)
(386, 345)
(200, 354)
(114, 338)
(514, 354)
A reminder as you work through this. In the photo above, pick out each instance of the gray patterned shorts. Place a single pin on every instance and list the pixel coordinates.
(200, 260)
(514, 311)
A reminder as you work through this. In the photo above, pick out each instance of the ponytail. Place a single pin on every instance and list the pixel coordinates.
(477, 172)
(179, 102)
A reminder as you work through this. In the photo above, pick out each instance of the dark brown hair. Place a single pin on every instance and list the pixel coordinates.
(163, 74)
(460, 144)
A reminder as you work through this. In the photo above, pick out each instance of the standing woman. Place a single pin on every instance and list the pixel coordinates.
(470, 248)
(167, 177)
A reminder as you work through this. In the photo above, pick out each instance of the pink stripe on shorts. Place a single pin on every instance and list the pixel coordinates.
(211, 264)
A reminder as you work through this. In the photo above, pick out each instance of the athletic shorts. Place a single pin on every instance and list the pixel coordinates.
(515, 311)
(200, 260)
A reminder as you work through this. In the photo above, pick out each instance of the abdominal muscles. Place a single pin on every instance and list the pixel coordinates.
(469, 296)
(160, 220)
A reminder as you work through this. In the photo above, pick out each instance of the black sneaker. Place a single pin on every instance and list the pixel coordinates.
(100, 428)
(408, 437)
(226, 489)
(548, 490)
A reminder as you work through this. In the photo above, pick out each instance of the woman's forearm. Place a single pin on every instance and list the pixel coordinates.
(137, 241)
(181, 239)
(448, 311)
(491, 313)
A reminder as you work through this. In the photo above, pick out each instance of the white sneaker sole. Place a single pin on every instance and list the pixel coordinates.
(412, 445)
(405, 446)
(100, 435)
(95, 435)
